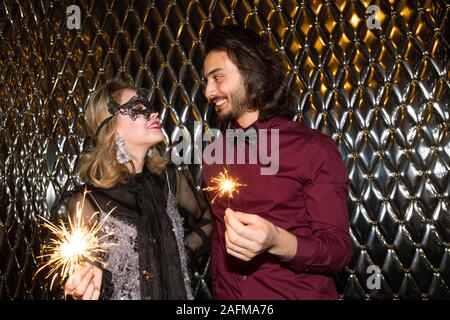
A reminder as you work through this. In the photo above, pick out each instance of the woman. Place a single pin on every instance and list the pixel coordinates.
(126, 173)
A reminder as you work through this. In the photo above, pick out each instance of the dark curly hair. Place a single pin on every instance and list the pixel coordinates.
(262, 69)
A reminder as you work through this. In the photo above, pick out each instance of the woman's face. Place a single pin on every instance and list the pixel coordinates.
(141, 132)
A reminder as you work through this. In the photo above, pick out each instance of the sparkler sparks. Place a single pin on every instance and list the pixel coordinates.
(224, 186)
(74, 244)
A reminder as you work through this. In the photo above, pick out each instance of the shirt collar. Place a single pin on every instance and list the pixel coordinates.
(258, 124)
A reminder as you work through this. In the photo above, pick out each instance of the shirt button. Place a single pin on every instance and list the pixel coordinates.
(146, 275)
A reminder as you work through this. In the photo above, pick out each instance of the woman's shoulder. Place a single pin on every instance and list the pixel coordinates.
(171, 174)
(75, 193)
(176, 173)
(74, 200)
(84, 195)
(171, 167)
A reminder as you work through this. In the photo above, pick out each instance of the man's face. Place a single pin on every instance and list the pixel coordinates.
(224, 86)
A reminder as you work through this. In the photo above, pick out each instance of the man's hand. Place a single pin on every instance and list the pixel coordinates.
(248, 235)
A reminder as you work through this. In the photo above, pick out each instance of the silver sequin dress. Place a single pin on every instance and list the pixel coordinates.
(123, 260)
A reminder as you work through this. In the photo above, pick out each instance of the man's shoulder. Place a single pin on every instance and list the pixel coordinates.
(304, 134)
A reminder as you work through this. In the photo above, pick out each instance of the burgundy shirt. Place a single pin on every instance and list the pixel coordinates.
(307, 197)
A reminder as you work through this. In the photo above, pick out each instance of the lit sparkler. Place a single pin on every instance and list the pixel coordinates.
(74, 244)
(224, 186)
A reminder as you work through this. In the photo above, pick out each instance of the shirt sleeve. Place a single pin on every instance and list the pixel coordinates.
(81, 202)
(76, 202)
(328, 247)
(199, 215)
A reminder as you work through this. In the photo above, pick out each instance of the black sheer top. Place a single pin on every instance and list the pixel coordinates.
(150, 250)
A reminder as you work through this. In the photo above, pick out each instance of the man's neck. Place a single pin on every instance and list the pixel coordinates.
(248, 118)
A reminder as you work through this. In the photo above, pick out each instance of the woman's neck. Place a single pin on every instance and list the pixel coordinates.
(138, 157)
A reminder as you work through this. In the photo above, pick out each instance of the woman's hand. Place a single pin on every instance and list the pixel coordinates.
(84, 283)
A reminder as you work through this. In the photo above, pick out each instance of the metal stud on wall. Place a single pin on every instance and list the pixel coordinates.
(382, 94)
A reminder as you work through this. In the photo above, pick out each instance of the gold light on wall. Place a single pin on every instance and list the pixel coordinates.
(381, 94)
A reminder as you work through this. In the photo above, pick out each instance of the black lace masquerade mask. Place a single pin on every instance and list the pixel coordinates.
(137, 106)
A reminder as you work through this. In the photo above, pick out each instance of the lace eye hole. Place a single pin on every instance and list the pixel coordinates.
(139, 107)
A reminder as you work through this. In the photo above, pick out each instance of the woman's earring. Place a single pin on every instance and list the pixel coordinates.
(122, 154)
(150, 152)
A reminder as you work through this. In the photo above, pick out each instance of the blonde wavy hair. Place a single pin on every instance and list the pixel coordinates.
(98, 164)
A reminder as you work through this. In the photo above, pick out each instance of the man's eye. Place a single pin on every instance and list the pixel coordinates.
(217, 77)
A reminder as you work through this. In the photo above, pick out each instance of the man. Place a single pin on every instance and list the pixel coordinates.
(285, 233)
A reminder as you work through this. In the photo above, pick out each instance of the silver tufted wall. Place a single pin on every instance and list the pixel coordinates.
(382, 94)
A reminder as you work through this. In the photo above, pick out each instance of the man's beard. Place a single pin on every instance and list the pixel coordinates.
(238, 106)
